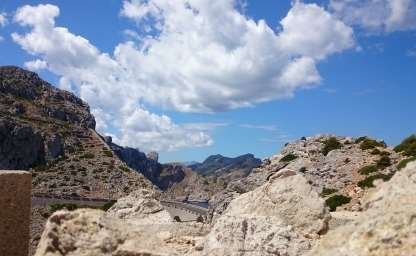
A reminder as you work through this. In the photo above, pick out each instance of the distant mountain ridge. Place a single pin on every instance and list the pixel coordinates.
(221, 166)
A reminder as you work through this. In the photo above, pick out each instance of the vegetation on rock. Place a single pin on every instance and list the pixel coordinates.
(368, 169)
(408, 146)
(288, 158)
(404, 162)
(331, 144)
(367, 143)
(384, 162)
(328, 191)
(369, 181)
(337, 200)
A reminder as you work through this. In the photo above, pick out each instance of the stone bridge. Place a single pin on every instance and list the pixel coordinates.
(184, 212)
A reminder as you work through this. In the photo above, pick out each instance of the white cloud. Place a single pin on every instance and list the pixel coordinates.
(202, 56)
(3, 19)
(208, 57)
(3, 22)
(411, 52)
(266, 127)
(36, 65)
(377, 15)
(99, 80)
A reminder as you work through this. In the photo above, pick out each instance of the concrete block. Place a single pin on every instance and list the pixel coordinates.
(15, 207)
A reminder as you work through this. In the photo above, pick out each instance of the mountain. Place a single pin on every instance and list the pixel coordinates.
(51, 133)
(226, 167)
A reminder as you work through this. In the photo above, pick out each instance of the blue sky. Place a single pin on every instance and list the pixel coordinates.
(366, 82)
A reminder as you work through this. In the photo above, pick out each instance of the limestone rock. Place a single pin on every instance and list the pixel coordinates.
(91, 232)
(338, 170)
(140, 206)
(20, 146)
(386, 228)
(279, 218)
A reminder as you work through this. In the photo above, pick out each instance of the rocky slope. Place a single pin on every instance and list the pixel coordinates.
(226, 168)
(284, 216)
(341, 169)
(195, 187)
(51, 133)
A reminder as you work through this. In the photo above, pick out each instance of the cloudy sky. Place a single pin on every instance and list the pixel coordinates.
(190, 78)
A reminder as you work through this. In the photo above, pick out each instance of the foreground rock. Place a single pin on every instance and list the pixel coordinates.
(135, 225)
(282, 217)
(386, 228)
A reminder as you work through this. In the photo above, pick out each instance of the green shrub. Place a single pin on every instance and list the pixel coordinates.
(404, 162)
(368, 143)
(337, 200)
(288, 158)
(328, 191)
(368, 169)
(376, 152)
(124, 169)
(87, 156)
(369, 181)
(385, 153)
(360, 139)
(56, 207)
(331, 144)
(41, 168)
(408, 146)
(108, 153)
(383, 162)
(108, 205)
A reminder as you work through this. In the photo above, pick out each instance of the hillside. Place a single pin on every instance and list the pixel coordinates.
(340, 168)
(51, 133)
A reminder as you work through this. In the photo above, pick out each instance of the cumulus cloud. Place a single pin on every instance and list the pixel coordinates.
(3, 22)
(377, 15)
(207, 56)
(101, 81)
(3, 19)
(190, 56)
(36, 65)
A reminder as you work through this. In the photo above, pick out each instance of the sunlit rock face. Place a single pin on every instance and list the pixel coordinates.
(386, 227)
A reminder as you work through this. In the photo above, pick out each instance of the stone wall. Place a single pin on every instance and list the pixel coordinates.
(15, 204)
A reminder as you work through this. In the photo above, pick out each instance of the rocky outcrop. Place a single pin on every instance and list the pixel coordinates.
(331, 164)
(19, 86)
(135, 225)
(282, 217)
(138, 161)
(140, 206)
(194, 187)
(20, 146)
(387, 227)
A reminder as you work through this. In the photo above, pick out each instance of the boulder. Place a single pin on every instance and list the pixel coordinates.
(281, 217)
(93, 232)
(387, 227)
(140, 206)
